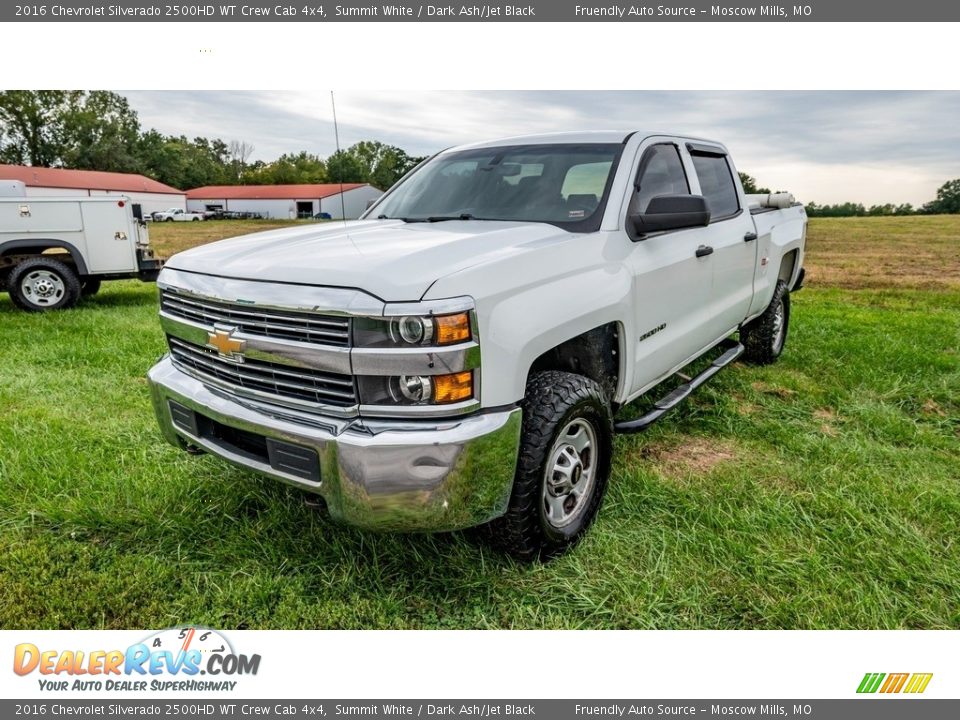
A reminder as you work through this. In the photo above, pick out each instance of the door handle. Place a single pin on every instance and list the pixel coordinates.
(750, 236)
(704, 250)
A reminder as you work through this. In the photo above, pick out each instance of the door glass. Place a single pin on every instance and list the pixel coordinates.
(661, 173)
(716, 184)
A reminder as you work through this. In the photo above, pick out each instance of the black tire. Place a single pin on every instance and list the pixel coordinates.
(554, 402)
(168, 220)
(89, 286)
(765, 336)
(42, 273)
(195, 220)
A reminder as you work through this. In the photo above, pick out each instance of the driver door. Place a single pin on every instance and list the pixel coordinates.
(671, 285)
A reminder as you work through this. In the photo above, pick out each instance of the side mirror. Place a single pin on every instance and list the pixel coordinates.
(671, 212)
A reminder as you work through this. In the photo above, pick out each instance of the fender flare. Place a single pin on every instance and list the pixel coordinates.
(45, 243)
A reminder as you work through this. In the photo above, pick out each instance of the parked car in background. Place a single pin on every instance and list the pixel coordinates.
(55, 250)
(457, 356)
(177, 215)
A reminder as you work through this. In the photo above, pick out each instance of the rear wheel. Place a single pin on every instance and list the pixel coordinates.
(764, 337)
(39, 284)
(562, 469)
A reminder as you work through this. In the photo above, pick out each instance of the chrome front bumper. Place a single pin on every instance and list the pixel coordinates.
(430, 475)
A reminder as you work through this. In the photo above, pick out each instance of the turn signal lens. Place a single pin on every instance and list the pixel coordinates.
(452, 388)
(453, 328)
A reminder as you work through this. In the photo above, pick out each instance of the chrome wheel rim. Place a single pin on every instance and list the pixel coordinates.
(779, 326)
(570, 473)
(43, 288)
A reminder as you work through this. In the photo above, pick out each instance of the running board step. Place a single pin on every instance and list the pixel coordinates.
(676, 396)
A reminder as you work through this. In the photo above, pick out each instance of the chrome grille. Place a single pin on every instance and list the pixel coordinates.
(266, 322)
(270, 378)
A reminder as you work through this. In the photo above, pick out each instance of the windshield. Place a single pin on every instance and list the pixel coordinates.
(564, 185)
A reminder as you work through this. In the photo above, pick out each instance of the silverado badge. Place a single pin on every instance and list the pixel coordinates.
(229, 347)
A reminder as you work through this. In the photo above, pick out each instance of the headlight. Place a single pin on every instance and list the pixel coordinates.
(412, 330)
(416, 389)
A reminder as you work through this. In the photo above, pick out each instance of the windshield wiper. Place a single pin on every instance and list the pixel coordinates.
(440, 218)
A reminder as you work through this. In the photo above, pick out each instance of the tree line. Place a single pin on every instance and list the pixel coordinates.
(98, 130)
(947, 202)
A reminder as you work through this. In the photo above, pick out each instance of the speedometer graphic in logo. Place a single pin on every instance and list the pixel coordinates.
(183, 639)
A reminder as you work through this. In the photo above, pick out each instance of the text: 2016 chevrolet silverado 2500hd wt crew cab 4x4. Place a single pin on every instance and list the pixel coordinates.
(456, 356)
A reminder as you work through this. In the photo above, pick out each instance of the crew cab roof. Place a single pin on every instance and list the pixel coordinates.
(589, 136)
(597, 136)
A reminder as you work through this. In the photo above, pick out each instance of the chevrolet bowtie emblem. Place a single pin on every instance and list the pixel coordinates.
(223, 342)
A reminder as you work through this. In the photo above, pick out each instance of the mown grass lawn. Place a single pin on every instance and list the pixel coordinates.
(820, 492)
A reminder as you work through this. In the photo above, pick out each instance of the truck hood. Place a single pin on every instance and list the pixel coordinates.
(391, 259)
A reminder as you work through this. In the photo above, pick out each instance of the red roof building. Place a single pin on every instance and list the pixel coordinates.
(269, 192)
(331, 200)
(153, 196)
(84, 180)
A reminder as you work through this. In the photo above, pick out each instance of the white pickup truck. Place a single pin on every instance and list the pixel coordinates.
(177, 215)
(457, 356)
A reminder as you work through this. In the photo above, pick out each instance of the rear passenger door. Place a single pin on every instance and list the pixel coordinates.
(730, 236)
(671, 285)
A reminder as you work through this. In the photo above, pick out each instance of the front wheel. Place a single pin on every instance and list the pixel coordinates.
(562, 469)
(765, 336)
(41, 283)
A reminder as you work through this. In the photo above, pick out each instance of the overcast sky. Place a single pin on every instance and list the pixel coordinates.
(832, 146)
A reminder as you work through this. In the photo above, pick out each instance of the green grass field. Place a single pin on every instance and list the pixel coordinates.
(820, 492)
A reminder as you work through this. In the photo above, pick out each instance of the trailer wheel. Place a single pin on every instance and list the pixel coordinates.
(562, 469)
(89, 286)
(764, 337)
(39, 283)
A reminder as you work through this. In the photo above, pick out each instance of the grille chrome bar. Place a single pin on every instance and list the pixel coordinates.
(265, 378)
(267, 322)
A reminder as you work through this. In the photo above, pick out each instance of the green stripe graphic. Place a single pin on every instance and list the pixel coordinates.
(870, 682)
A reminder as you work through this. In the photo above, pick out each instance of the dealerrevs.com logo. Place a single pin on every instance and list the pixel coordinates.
(179, 659)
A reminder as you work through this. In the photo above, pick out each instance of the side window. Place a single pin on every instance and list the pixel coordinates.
(660, 173)
(716, 184)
